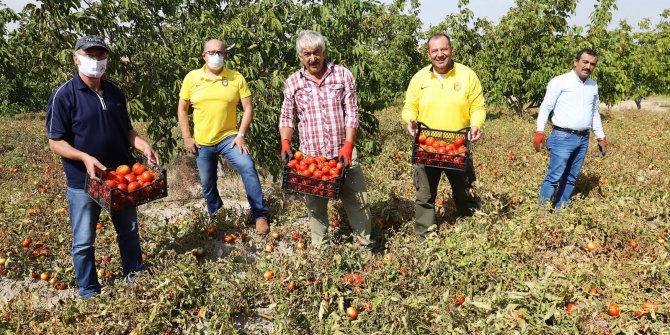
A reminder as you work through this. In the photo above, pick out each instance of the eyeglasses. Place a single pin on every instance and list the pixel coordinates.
(215, 52)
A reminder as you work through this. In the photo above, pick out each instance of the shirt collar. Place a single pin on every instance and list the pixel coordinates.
(221, 75)
(81, 85)
(574, 75)
(329, 69)
(430, 69)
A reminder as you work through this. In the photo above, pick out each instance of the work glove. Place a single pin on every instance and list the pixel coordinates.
(346, 151)
(539, 141)
(602, 146)
(285, 149)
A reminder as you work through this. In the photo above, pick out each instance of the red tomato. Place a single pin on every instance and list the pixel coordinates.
(147, 177)
(613, 310)
(352, 313)
(326, 168)
(334, 172)
(130, 178)
(312, 167)
(298, 155)
(339, 166)
(133, 186)
(111, 175)
(123, 170)
(422, 139)
(122, 187)
(429, 141)
(306, 173)
(292, 163)
(459, 142)
(138, 168)
(332, 163)
(111, 183)
(317, 174)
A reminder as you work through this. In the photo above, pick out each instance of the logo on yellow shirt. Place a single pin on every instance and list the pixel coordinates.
(224, 82)
(457, 86)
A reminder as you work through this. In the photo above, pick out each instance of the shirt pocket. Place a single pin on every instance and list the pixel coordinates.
(336, 92)
(303, 98)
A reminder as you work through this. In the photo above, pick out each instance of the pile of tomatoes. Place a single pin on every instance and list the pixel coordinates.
(314, 175)
(441, 152)
(126, 186)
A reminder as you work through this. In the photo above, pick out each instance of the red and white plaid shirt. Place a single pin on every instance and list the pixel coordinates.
(324, 110)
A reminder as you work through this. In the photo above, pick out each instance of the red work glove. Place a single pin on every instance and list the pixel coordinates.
(539, 140)
(602, 146)
(346, 151)
(285, 148)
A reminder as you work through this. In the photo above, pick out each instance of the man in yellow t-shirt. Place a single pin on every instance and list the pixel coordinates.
(447, 96)
(214, 92)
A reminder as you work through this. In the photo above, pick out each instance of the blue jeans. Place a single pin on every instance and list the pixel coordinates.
(567, 153)
(207, 159)
(84, 214)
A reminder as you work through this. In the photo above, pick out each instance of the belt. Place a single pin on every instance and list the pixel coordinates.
(572, 131)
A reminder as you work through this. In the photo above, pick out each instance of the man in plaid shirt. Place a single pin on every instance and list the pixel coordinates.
(323, 97)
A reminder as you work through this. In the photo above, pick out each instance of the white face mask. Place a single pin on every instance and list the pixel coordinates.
(91, 67)
(215, 61)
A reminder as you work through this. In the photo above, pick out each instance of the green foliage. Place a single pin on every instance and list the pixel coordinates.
(154, 44)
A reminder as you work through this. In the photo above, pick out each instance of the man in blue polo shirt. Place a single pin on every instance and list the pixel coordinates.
(573, 97)
(89, 127)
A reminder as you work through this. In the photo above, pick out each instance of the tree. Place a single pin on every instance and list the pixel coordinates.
(524, 51)
(155, 43)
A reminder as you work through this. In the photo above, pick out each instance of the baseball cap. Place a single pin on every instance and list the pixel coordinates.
(89, 41)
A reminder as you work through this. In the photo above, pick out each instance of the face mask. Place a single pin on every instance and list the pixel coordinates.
(91, 67)
(215, 61)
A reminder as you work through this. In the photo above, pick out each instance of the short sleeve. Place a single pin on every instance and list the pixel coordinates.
(244, 88)
(185, 92)
(59, 114)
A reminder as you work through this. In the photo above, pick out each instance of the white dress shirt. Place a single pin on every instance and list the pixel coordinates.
(574, 102)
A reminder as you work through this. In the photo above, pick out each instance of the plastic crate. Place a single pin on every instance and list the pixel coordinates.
(433, 155)
(329, 189)
(113, 199)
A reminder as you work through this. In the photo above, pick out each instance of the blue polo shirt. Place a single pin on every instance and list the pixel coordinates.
(96, 125)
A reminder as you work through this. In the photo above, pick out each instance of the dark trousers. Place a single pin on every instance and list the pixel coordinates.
(426, 182)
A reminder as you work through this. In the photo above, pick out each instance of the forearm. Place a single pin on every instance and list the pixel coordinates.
(137, 142)
(182, 117)
(248, 116)
(350, 135)
(286, 133)
(65, 150)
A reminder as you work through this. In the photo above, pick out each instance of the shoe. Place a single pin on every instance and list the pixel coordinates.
(262, 226)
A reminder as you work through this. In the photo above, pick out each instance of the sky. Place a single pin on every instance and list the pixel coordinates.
(434, 11)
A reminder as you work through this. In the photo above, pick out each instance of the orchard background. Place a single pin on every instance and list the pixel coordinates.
(517, 268)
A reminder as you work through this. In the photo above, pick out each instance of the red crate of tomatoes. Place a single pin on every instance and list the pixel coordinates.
(316, 176)
(127, 186)
(441, 148)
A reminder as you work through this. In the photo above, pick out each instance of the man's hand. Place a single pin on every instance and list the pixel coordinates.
(190, 145)
(239, 141)
(411, 127)
(346, 151)
(285, 148)
(92, 165)
(539, 141)
(602, 146)
(475, 133)
(151, 155)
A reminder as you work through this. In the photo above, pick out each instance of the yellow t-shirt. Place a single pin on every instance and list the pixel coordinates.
(214, 103)
(453, 104)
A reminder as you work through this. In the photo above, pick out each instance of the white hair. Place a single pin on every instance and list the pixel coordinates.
(310, 39)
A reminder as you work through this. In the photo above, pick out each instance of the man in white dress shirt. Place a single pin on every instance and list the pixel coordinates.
(573, 97)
